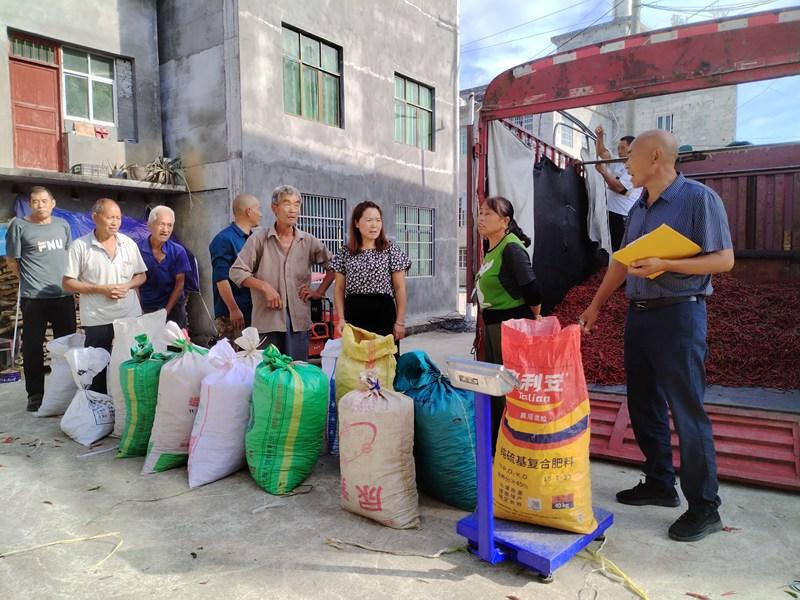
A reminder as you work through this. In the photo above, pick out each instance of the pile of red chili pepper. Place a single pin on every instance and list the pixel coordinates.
(753, 333)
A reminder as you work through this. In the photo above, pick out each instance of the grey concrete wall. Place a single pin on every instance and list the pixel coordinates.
(701, 118)
(193, 81)
(360, 161)
(124, 28)
(198, 51)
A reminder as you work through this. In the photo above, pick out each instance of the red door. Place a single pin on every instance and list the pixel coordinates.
(35, 115)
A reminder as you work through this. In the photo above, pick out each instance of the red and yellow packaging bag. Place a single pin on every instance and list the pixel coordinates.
(541, 471)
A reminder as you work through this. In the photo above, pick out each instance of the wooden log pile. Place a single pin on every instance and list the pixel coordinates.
(8, 307)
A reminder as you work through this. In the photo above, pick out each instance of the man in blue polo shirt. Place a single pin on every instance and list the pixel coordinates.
(167, 266)
(233, 306)
(665, 334)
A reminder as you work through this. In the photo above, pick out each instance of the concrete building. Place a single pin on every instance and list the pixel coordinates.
(79, 88)
(347, 101)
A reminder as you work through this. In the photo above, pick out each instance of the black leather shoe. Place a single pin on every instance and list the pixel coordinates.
(644, 493)
(34, 402)
(695, 524)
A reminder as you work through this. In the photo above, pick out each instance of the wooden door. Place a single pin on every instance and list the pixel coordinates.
(35, 115)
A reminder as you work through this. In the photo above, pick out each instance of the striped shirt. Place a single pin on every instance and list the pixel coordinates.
(695, 211)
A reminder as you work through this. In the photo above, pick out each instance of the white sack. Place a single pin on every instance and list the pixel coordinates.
(59, 386)
(217, 446)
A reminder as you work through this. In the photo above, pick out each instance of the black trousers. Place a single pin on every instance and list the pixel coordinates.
(374, 312)
(37, 313)
(616, 226)
(99, 336)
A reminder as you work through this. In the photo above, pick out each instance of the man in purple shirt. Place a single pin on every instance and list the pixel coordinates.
(167, 265)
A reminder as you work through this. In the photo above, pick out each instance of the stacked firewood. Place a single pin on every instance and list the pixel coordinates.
(8, 300)
(8, 309)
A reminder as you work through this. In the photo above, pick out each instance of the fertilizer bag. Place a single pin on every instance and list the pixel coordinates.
(59, 385)
(216, 448)
(139, 377)
(287, 421)
(90, 415)
(541, 468)
(376, 455)
(361, 351)
(178, 399)
(444, 431)
(125, 330)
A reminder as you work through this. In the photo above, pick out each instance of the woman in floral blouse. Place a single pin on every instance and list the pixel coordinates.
(371, 276)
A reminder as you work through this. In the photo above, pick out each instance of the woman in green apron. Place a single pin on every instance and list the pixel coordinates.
(505, 285)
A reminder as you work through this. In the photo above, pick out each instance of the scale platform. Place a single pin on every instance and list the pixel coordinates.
(540, 548)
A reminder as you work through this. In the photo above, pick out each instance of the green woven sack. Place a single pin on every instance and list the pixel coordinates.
(139, 380)
(287, 421)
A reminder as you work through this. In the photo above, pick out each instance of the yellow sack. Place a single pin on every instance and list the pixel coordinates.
(363, 350)
(541, 471)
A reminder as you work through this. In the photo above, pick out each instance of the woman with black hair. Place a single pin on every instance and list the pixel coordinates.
(370, 290)
(505, 285)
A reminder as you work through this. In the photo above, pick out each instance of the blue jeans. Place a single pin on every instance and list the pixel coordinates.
(665, 351)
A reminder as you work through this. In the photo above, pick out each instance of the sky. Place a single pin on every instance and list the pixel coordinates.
(767, 110)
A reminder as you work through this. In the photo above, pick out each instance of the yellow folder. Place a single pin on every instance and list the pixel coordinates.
(662, 242)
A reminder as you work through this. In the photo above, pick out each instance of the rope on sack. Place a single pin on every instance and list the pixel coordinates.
(340, 544)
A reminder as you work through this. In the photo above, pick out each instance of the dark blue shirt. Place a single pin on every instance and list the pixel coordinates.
(155, 292)
(224, 249)
(695, 211)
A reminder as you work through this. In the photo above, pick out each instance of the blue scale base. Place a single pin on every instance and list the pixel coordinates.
(540, 548)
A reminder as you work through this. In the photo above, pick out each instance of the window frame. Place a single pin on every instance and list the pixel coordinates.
(406, 103)
(405, 244)
(319, 70)
(571, 135)
(666, 118)
(90, 78)
(462, 258)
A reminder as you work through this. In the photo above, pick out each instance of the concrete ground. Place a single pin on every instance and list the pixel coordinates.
(230, 539)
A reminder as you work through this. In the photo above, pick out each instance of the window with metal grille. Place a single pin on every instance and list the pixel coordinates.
(413, 113)
(525, 122)
(462, 215)
(414, 227)
(324, 218)
(312, 76)
(462, 258)
(30, 49)
(566, 135)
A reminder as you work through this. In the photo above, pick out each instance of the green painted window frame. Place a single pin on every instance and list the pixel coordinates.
(414, 105)
(312, 77)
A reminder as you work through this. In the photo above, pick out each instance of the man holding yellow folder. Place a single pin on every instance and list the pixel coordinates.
(668, 276)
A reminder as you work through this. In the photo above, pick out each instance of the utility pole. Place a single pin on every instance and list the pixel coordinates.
(630, 111)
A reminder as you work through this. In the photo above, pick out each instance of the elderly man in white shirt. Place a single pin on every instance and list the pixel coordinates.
(621, 194)
(105, 267)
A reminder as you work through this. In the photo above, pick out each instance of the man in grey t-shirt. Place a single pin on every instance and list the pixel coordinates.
(37, 253)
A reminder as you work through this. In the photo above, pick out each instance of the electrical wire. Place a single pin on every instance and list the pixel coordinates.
(582, 31)
(525, 37)
(538, 18)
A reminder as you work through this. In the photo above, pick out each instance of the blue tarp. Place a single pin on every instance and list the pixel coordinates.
(82, 224)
